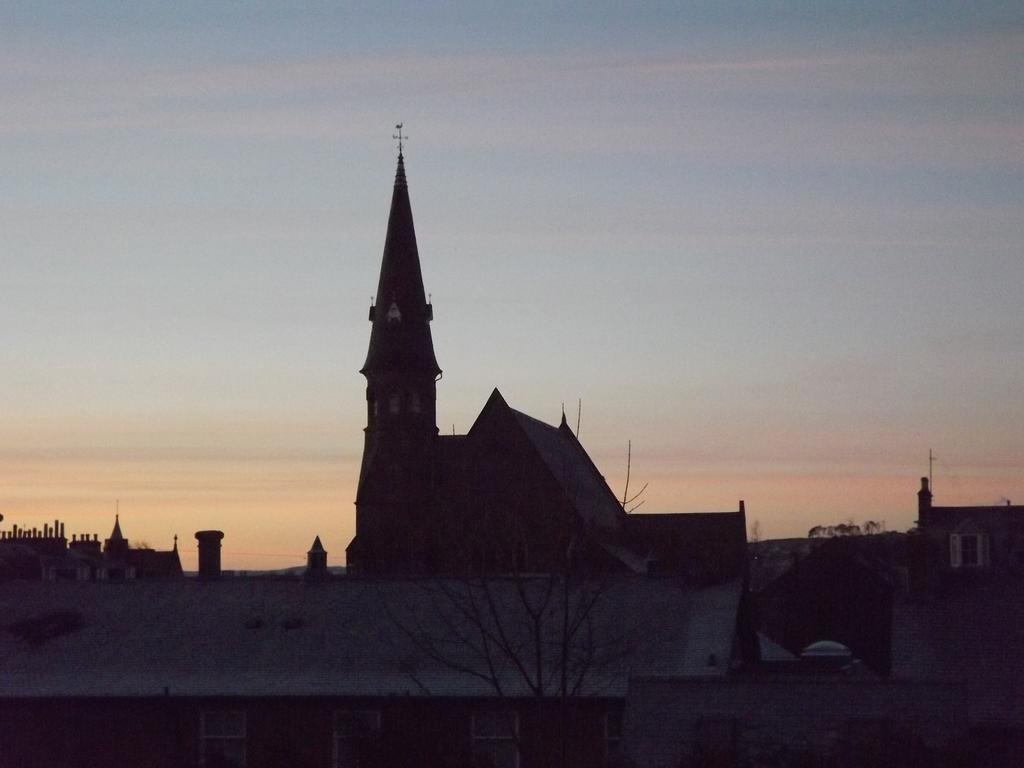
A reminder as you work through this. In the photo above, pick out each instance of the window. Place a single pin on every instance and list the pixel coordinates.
(414, 402)
(355, 735)
(394, 404)
(612, 735)
(222, 738)
(968, 550)
(495, 733)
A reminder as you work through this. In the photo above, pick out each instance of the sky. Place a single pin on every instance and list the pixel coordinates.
(778, 247)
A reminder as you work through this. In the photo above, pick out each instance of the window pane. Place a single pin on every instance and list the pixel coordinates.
(351, 723)
(494, 724)
(969, 550)
(495, 754)
(234, 724)
(224, 752)
(613, 724)
(220, 724)
(213, 723)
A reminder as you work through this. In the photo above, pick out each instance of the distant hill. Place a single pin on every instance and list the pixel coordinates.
(297, 571)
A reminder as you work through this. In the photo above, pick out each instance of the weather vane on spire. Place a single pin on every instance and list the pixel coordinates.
(399, 136)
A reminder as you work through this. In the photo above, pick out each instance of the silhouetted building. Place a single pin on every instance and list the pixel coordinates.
(513, 494)
(838, 589)
(47, 554)
(316, 561)
(962, 617)
(367, 672)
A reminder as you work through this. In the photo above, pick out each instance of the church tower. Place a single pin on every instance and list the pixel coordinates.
(395, 492)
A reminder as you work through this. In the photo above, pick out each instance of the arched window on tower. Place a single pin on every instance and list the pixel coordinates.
(394, 403)
(414, 402)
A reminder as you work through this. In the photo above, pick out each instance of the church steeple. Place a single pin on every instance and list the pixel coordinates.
(396, 478)
(400, 340)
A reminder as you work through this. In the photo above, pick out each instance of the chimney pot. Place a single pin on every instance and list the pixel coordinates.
(209, 553)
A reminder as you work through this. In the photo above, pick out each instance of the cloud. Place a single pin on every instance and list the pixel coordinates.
(926, 105)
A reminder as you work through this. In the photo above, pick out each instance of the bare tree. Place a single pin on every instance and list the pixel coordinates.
(538, 629)
(631, 503)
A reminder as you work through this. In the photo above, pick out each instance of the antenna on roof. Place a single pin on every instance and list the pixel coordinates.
(579, 413)
(931, 459)
(399, 137)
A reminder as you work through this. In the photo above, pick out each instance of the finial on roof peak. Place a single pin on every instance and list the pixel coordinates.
(400, 172)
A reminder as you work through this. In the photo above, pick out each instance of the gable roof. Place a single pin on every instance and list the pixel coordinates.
(567, 461)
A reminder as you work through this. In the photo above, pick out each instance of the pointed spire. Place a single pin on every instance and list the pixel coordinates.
(400, 172)
(116, 534)
(175, 542)
(404, 346)
(316, 561)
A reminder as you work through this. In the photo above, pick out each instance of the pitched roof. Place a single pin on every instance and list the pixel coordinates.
(346, 637)
(151, 563)
(116, 535)
(568, 462)
(703, 546)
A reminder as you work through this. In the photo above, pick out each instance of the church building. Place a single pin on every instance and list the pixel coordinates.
(514, 494)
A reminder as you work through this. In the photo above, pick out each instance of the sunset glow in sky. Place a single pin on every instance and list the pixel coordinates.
(781, 251)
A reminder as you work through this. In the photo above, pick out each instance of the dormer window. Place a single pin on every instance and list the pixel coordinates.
(968, 550)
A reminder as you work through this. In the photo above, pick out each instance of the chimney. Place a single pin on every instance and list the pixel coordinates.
(209, 553)
(924, 503)
(316, 561)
